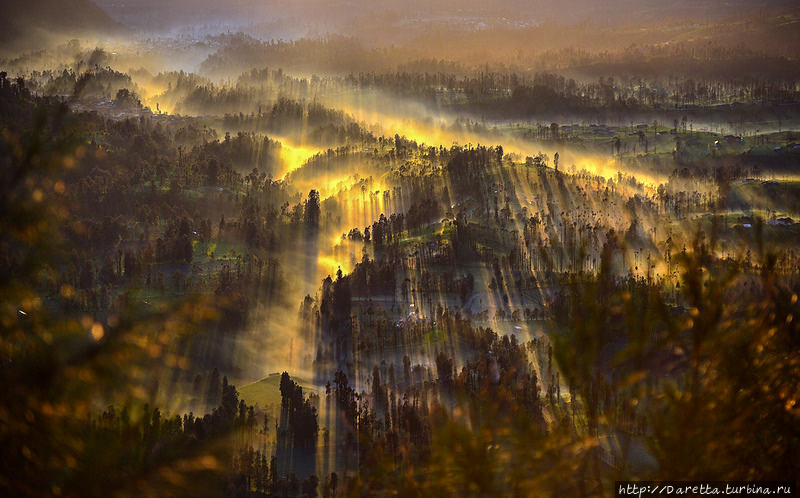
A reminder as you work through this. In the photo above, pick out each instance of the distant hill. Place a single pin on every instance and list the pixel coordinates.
(387, 22)
(623, 11)
(30, 23)
(159, 14)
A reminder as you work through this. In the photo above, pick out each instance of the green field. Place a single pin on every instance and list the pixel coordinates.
(266, 392)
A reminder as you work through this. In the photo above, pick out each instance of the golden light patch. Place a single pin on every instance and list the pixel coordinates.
(97, 331)
(294, 156)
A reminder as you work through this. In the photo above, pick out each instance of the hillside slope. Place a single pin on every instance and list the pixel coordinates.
(26, 24)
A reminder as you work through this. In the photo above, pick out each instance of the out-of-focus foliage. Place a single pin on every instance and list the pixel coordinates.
(705, 389)
(56, 365)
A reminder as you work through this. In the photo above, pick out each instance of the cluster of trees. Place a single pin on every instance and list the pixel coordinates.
(256, 474)
(390, 431)
(513, 94)
(241, 52)
(242, 151)
(298, 416)
(96, 82)
(305, 122)
(625, 364)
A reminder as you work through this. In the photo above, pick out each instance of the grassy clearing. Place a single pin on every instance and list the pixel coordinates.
(266, 392)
